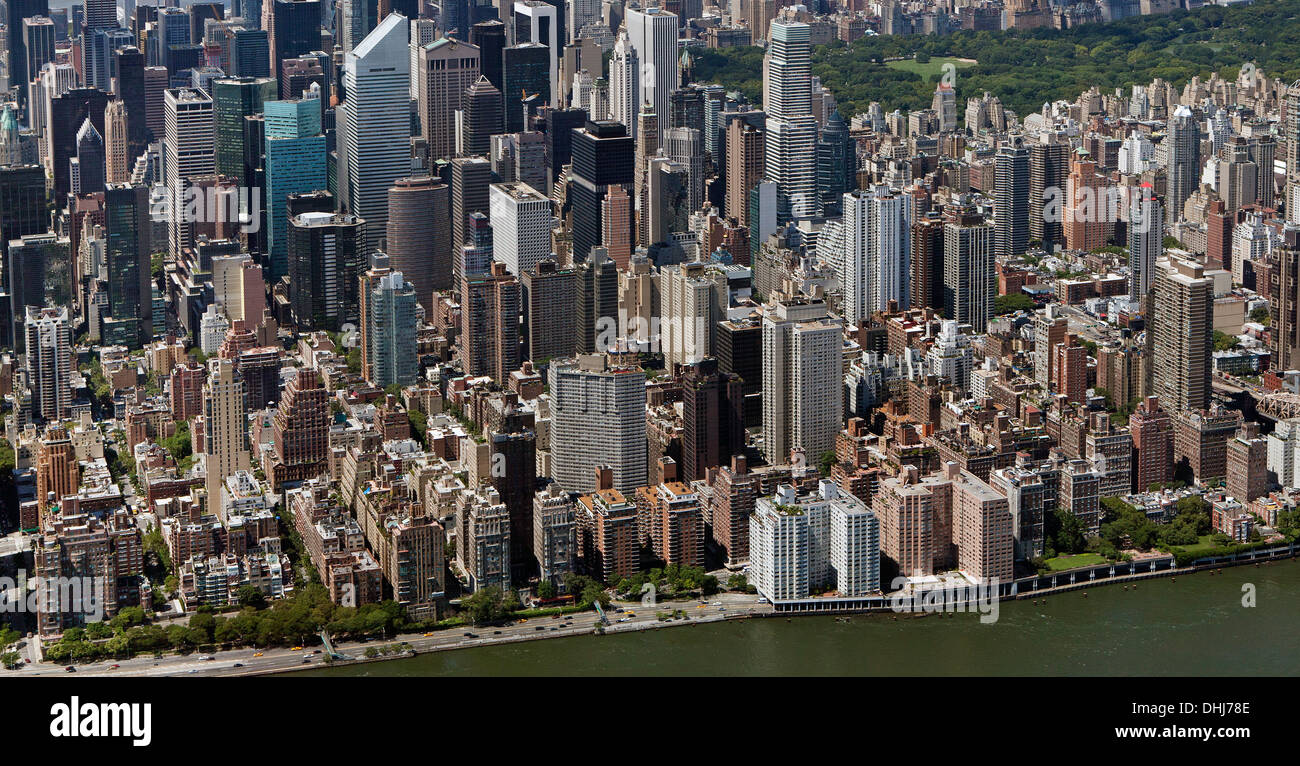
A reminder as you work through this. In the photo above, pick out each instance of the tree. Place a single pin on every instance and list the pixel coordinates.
(10, 659)
(485, 605)
(250, 595)
(825, 461)
(546, 589)
(1070, 534)
(1013, 302)
(1224, 341)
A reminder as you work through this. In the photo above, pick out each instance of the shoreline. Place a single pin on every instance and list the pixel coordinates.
(1171, 573)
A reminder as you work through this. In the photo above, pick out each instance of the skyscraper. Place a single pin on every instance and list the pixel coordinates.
(448, 68)
(969, 277)
(837, 165)
(471, 179)
(295, 30)
(19, 10)
(803, 391)
(540, 22)
(787, 76)
(1183, 156)
(1182, 320)
(295, 164)
(189, 150)
(625, 83)
(234, 99)
(597, 418)
(526, 78)
(490, 322)
(48, 354)
(521, 226)
(376, 123)
(481, 117)
(602, 156)
(1011, 199)
(652, 33)
(1048, 167)
(550, 311)
(870, 250)
(684, 146)
(746, 154)
(388, 345)
(117, 165)
(127, 228)
(225, 428)
(712, 418)
(325, 266)
(420, 236)
(1146, 234)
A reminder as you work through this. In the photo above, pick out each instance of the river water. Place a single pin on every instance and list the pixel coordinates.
(1196, 625)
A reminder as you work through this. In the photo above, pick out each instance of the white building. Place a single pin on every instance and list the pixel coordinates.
(652, 33)
(375, 126)
(1284, 453)
(869, 249)
(521, 226)
(625, 84)
(803, 381)
(801, 545)
(951, 357)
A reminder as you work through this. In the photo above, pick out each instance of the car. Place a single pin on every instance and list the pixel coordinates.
(70, 669)
(207, 657)
(496, 632)
(192, 670)
(306, 660)
(114, 667)
(625, 619)
(555, 617)
(316, 652)
(428, 635)
(554, 628)
(237, 665)
(717, 603)
(540, 627)
(258, 654)
(523, 620)
(296, 649)
(468, 634)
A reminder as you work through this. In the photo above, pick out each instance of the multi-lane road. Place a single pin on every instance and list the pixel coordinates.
(623, 617)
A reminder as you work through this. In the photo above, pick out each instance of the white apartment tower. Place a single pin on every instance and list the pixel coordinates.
(803, 390)
(49, 362)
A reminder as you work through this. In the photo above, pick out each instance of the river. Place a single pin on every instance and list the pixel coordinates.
(1196, 625)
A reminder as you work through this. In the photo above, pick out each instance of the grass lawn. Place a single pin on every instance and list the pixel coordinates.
(1062, 563)
(932, 68)
(1205, 545)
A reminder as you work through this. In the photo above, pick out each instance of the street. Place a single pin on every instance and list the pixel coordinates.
(637, 616)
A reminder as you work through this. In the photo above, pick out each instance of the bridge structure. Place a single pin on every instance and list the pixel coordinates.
(1275, 405)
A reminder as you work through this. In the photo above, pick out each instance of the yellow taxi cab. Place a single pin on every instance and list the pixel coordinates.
(296, 649)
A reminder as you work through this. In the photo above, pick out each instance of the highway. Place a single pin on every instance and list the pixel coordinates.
(623, 616)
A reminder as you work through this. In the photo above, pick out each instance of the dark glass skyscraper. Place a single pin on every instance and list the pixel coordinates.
(490, 37)
(837, 165)
(603, 155)
(527, 74)
(126, 250)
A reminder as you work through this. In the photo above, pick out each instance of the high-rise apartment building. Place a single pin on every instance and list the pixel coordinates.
(803, 388)
(597, 418)
(48, 344)
(1182, 321)
(490, 321)
(521, 226)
